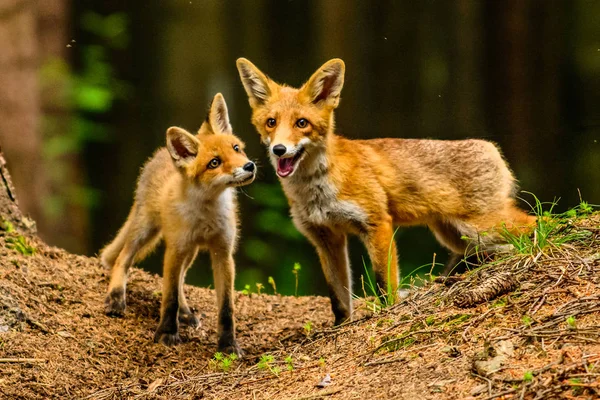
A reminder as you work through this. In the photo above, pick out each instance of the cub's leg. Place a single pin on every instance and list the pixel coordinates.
(186, 316)
(221, 257)
(176, 259)
(333, 253)
(140, 236)
(382, 251)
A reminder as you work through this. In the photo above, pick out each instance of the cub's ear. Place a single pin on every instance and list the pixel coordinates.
(324, 86)
(218, 117)
(255, 82)
(182, 146)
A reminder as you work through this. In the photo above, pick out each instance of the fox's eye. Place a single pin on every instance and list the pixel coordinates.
(271, 122)
(214, 163)
(236, 148)
(302, 123)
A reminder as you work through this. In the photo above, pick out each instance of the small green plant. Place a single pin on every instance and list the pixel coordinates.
(571, 322)
(527, 376)
(266, 362)
(430, 320)
(246, 291)
(289, 363)
(577, 388)
(321, 362)
(272, 283)
(296, 272)
(20, 245)
(7, 226)
(259, 287)
(550, 230)
(307, 327)
(527, 321)
(223, 362)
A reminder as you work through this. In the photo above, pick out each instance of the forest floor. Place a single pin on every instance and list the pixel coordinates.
(523, 326)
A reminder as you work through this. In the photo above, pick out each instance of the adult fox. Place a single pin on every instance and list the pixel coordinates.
(336, 186)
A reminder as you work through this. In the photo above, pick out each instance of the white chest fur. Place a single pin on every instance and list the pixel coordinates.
(315, 201)
(208, 217)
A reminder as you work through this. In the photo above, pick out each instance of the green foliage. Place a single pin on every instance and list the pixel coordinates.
(307, 327)
(7, 226)
(259, 287)
(289, 363)
(296, 272)
(571, 322)
(246, 290)
(272, 283)
(266, 363)
(527, 321)
(223, 362)
(551, 230)
(90, 93)
(19, 244)
(527, 376)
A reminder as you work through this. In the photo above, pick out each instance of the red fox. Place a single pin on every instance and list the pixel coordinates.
(185, 196)
(336, 186)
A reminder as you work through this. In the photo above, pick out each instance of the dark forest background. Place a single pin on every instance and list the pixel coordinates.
(88, 88)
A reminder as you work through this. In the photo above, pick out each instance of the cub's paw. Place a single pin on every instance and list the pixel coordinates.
(168, 339)
(114, 305)
(189, 319)
(231, 348)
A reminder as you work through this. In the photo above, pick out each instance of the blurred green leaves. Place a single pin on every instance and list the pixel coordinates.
(79, 102)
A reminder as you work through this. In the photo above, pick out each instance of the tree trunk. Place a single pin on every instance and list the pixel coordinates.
(20, 103)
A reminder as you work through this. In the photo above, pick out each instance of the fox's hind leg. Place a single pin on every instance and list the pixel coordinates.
(333, 253)
(186, 315)
(450, 237)
(140, 236)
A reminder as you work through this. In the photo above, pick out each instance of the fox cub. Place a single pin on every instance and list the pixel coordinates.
(336, 186)
(185, 196)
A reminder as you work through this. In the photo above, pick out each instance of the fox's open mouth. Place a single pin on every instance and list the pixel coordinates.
(285, 166)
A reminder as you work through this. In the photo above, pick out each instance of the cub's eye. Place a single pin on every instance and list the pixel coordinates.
(302, 123)
(236, 148)
(214, 163)
(271, 122)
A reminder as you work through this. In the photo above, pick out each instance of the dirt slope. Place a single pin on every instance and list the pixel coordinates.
(55, 340)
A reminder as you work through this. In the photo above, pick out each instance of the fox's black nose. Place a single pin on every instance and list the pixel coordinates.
(249, 167)
(279, 150)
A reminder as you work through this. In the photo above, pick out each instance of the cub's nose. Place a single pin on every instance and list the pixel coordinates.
(250, 167)
(279, 150)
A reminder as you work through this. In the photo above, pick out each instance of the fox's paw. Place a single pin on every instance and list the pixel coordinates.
(168, 339)
(189, 319)
(114, 305)
(231, 348)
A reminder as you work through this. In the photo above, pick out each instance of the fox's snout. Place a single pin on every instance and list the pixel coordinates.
(279, 150)
(249, 166)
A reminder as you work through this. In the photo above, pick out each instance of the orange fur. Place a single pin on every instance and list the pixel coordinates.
(336, 186)
(185, 196)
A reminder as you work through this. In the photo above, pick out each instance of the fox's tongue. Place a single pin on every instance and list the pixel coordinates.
(285, 166)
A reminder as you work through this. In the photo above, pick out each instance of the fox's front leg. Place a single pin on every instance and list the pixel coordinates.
(380, 244)
(333, 253)
(168, 328)
(221, 256)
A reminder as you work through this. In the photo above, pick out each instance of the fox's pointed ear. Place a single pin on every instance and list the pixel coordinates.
(255, 82)
(182, 146)
(325, 86)
(218, 116)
